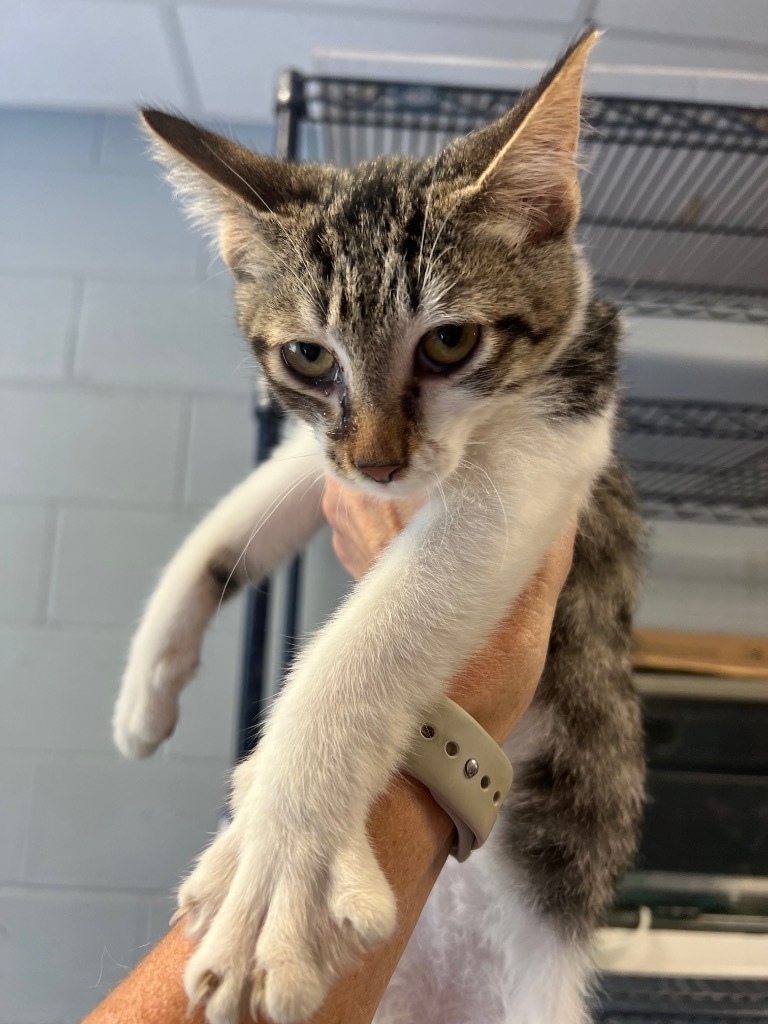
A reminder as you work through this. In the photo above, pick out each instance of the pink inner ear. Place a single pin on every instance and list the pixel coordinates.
(551, 214)
(530, 200)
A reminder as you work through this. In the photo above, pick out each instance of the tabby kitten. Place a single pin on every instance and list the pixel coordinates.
(432, 326)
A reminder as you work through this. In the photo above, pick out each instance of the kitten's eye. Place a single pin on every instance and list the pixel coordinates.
(309, 360)
(444, 347)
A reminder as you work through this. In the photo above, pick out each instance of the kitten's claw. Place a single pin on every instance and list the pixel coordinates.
(206, 987)
(258, 983)
(179, 913)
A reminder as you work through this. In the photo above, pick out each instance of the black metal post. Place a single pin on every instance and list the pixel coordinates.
(289, 111)
(289, 108)
(252, 692)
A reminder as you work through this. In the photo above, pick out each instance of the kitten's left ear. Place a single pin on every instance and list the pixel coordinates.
(227, 189)
(527, 177)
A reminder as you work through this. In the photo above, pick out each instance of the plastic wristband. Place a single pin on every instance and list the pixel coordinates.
(465, 770)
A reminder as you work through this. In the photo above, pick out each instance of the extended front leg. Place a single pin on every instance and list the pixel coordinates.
(258, 525)
(291, 892)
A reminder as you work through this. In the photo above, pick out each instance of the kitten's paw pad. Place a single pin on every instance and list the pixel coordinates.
(288, 921)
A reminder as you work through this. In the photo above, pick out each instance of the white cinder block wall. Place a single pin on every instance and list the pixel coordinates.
(124, 413)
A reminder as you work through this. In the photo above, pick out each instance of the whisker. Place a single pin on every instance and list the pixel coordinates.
(437, 295)
(273, 509)
(447, 217)
(439, 488)
(475, 466)
(290, 458)
(276, 503)
(426, 218)
(245, 360)
(211, 277)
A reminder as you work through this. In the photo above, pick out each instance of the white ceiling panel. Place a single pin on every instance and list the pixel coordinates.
(111, 54)
(559, 11)
(744, 21)
(740, 90)
(237, 52)
(490, 73)
(717, 72)
(616, 48)
(85, 54)
(505, 10)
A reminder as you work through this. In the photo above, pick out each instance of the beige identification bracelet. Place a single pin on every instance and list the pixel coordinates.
(465, 770)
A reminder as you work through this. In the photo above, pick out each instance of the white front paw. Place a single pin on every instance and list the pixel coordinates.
(147, 708)
(280, 913)
(142, 721)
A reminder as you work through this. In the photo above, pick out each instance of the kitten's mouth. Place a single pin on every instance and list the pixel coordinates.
(404, 490)
(407, 483)
(400, 482)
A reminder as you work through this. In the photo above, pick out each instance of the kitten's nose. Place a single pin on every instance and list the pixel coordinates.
(382, 474)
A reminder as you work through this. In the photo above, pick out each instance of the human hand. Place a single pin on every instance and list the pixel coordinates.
(500, 680)
(363, 527)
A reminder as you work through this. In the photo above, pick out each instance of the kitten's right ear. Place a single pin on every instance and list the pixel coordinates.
(228, 190)
(525, 164)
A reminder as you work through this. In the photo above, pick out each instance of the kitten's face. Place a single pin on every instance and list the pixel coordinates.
(396, 320)
(399, 306)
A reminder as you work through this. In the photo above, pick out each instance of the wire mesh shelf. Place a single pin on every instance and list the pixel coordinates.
(649, 999)
(700, 461)
(675, 195)
(658, 299)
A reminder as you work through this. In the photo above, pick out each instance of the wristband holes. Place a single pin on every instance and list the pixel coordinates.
(496, 796)
(451, 748)
(428, 732)
(485, 782)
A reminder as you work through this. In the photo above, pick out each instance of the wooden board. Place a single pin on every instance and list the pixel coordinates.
(718, 654)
